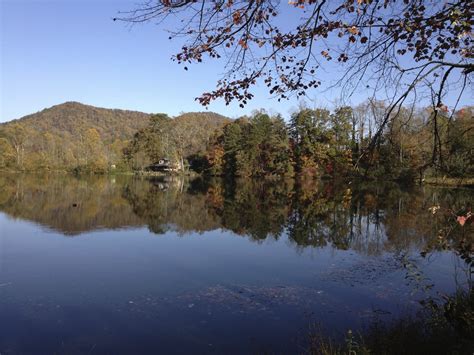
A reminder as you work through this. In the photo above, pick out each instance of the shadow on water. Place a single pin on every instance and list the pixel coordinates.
(380, 228)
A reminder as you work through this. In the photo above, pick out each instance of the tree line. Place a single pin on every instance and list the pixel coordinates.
(312, 143)
(321, 143)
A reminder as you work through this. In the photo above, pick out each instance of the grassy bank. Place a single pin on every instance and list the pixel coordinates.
(439, 328)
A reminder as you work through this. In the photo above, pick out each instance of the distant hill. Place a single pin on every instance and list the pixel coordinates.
(71, 118)
(72, 135)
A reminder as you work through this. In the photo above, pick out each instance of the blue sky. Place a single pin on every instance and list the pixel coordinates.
(69, 50)
(54, 51)
(57, 51)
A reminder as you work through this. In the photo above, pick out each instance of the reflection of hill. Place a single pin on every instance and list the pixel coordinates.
(368, 219)
(67, 204)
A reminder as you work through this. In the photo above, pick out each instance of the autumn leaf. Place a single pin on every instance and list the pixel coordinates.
(243, 43)
(354, 30)
(236, 17)
(462, 220)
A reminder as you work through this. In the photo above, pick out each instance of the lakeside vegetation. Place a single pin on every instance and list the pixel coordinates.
(443, 326)
(312, 143)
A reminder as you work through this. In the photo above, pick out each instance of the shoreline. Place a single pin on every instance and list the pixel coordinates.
(427, 181)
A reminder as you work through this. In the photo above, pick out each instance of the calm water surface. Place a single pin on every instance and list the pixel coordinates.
(125, 265)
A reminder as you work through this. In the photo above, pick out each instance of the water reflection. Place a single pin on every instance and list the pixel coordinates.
(368, 218)
(67, 204)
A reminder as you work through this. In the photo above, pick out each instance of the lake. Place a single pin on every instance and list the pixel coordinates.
(111, 265)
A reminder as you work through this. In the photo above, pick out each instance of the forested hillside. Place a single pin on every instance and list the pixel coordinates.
(77, 137)
(68, 136)
(70, 118)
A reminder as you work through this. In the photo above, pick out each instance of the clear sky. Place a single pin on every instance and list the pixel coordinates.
(71, 50)
(54, 51)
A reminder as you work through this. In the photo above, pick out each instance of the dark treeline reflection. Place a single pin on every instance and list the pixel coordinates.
(366, 217)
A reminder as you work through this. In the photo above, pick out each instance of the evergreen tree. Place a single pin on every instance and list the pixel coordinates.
(232, 138)
(310, 138)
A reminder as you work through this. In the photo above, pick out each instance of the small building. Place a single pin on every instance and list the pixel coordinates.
(163, 164)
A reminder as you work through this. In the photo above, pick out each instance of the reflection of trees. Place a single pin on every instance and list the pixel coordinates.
(308, 223)
(165, 205)
(65, 203)
(370, 219)
(366, 218)
(258, 210)
(329, 214)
